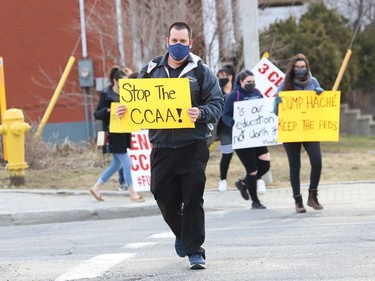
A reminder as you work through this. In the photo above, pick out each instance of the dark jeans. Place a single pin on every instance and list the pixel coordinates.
(293, 151)
(177, 181)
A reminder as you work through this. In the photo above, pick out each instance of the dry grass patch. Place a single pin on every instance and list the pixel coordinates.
(72, 166)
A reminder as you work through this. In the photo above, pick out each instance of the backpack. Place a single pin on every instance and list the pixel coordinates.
(198, 71)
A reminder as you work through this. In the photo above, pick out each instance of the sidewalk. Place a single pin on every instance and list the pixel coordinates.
(23, 207)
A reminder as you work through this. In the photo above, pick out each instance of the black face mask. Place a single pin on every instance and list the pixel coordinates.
(223, 81)
(249, 87)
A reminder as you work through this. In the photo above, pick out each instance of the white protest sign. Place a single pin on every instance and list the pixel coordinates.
(140, 159)
(267, 77)
(255, 123)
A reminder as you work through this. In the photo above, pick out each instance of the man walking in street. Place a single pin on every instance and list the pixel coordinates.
(179, 156)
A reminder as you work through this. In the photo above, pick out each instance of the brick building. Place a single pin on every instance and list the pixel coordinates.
(37, 39)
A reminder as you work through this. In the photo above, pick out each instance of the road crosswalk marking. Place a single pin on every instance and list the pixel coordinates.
(139, 245)
(98, 265)
(94, 267)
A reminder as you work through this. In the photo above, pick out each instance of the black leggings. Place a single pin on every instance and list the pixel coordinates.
(251, 162)
(224, 165)
(293, 151)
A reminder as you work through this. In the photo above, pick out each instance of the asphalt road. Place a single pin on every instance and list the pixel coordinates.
(337, 243)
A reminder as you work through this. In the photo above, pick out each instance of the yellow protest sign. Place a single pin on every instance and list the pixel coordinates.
(306, 116)
(114, 121)
(158, 103)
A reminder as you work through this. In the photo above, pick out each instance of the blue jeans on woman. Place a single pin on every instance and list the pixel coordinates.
(118, 160)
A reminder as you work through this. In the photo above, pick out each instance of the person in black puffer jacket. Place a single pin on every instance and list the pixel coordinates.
(179, 156)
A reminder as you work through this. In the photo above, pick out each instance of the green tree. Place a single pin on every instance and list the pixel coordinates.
(322, 35)
(366, 59)
(336, 35)
(278, 41)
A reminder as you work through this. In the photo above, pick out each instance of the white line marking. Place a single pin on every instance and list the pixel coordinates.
(138, 245)
(94, 267)
(162, 235)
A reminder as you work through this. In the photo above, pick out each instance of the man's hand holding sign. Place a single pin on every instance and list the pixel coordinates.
(155, 104)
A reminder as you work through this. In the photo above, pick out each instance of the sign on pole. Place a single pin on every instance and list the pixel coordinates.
(267, 77)
(306, 116)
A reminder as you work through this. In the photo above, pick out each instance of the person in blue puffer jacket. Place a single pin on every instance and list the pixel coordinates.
(298, 77)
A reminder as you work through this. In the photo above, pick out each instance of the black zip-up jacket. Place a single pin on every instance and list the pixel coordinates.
(209, 100)
(118, 142)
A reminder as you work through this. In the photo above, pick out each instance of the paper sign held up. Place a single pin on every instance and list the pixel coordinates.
(255, 123)
(158, 103)
(268, 77)
(306, 116)
(140, 159)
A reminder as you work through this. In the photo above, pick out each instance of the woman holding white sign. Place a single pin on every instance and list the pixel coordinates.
(256, 165)
(298, 77)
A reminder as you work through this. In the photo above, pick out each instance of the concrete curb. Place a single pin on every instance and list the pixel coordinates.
(70, 215)
(52, 206)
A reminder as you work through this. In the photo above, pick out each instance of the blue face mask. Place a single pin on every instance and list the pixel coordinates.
(300, 72)
(178, 51)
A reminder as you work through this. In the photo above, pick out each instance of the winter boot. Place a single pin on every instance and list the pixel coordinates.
(312, 201)
(299, 204)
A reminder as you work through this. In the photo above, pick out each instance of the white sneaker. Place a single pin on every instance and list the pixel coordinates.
(261, 187)
(222, 185)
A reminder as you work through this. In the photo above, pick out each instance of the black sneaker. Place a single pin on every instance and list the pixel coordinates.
(241, 186)
(197, 261)
(257, 205)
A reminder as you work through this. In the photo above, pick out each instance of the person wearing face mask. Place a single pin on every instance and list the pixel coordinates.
(298, 77)
(118, 143)
(225, 76)
(256, 160)
(179, 156)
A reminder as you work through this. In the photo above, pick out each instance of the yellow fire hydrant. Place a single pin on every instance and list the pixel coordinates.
(13, 130)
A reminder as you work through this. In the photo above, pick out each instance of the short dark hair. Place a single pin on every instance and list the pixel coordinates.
(179, 25)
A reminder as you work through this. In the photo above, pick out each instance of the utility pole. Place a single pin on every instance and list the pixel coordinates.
(120, 34)
(86, 75)
(210, 39)
(250, 32)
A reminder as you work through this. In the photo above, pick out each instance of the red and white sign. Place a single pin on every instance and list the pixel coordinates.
(267, 77)
(140, 159)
